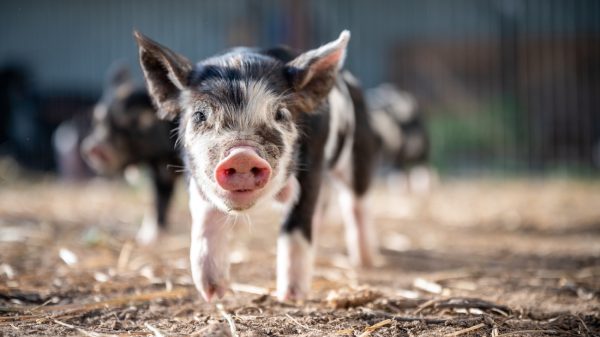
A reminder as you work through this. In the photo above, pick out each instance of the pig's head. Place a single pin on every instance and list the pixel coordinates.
(239, 113)
(123, 120)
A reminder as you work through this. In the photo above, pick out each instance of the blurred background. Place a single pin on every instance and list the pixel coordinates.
(507, 87)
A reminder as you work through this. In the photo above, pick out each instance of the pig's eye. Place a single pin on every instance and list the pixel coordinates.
(199, 116)
(281, 115)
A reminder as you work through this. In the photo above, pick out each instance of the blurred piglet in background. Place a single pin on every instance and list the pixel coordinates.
(397, 119)
(126, 131)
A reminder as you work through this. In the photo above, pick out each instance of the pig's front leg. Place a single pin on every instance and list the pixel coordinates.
(155, 220)
(209, 256)
(295, 256)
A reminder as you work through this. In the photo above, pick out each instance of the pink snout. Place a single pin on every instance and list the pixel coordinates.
(243, 170)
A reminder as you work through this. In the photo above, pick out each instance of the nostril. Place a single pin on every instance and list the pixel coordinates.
(243, 170)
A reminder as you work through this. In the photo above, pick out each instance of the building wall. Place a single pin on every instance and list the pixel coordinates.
(537, 58)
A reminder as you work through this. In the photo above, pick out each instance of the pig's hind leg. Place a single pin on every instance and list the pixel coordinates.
(295, 252)
(361, 239)
(360, 235)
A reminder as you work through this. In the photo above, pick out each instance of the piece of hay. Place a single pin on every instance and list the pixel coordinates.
(82, 331)
(155, 331)
(345, 332)
(298, 323)
(464, 331)
(229, 320)
(374, 327)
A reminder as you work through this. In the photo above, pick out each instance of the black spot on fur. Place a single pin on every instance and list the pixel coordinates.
(272, 136)
(339, 146)
(366, 144)
(211, 72)
(138, 99)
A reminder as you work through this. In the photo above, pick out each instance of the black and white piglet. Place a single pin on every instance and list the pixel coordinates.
(398, 120)
(264, 126)
(127, 131)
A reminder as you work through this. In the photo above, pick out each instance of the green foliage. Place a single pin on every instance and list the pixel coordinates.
(486, 139)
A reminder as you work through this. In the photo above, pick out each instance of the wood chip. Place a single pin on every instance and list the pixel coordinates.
(428, 286)
(351, 298)
(68, 256)
(6, 269)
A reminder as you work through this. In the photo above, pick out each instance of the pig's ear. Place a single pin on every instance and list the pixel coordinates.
(118, 75)
(313, 73)
(119, 78)
(166, 74)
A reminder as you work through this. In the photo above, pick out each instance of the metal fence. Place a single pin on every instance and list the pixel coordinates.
(506, 85)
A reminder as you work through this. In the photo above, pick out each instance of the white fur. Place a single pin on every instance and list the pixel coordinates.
(100, 111)
(341, 121)
(403, 105)
(351, 79)
(294, 266)
(387, 128)
(209, 254)
(261, 104)
(199, 146)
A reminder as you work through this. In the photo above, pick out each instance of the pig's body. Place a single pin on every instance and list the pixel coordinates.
(126, 131)
(262, 127)
(398, 121)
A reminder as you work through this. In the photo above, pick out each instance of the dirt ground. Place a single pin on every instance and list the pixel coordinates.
(510, 257)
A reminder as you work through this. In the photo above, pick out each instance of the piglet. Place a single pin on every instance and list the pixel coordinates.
(399, 122)
(258, 127)
(126, 131)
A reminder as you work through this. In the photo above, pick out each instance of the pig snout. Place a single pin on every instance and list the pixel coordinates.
(96, 152)
(242, 170)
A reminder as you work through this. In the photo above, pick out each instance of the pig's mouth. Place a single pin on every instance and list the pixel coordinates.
(241, 199)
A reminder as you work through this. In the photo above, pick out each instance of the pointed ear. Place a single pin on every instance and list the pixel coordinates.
(166, 74)
(118, 80)
(118, 76)
(313, 73)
